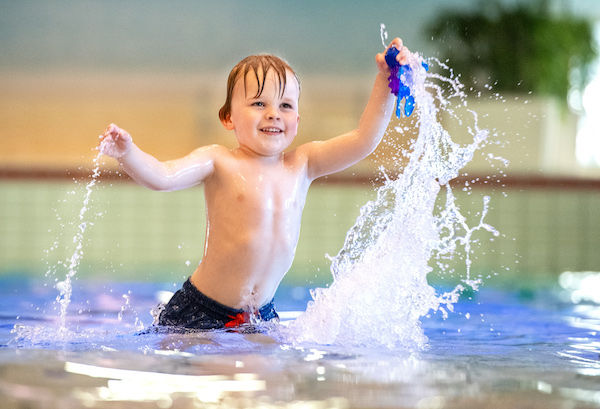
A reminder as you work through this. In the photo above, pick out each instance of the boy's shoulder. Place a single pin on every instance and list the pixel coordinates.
(206, 154)
(305, 150)
(214, 150)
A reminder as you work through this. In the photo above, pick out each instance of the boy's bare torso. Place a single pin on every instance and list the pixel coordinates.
(254, 207)
(255, 193)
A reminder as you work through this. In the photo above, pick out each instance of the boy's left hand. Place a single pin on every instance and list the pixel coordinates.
(402, 57)
(115, 142)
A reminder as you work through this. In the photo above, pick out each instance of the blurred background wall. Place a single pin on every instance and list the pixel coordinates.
(158, 69)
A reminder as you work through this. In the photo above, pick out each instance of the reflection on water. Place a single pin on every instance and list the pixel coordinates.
(581, 286)
(130, 385)
(498, 350)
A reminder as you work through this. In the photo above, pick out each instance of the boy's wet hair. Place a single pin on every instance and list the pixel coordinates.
(260, 63)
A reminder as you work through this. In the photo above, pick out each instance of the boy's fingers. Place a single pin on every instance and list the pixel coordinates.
(403, 55)
(112, 129)
(396, 42)
(402, 58)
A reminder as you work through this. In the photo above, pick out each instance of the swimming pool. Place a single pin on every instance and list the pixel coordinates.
(500, 348)
(396, 340)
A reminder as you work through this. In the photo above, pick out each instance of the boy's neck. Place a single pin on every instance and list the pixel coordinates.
(249, 153)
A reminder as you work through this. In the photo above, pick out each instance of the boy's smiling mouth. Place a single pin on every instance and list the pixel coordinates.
(271, 130)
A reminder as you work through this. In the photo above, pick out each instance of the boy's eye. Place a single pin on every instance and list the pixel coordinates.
(258, 104)
(287, 106)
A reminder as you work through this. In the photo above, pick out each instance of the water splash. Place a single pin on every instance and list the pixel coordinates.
(380, 290)
(65, 287)
(43, 334)
(127, 307)
(383, 34)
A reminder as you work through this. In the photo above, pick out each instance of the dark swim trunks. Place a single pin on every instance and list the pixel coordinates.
(189, 308)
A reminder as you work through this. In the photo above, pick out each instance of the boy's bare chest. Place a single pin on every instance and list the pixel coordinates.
(267, 188)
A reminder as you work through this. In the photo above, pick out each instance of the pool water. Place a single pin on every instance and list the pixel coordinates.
(498, 349)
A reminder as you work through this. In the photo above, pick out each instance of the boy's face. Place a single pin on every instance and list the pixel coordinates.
(265, 125)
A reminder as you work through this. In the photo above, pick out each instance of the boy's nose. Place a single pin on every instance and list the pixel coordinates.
(273, 114)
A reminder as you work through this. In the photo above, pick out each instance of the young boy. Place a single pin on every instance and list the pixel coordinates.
(254, 193)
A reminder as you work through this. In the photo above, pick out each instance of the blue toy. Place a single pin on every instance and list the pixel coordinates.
(398, 87)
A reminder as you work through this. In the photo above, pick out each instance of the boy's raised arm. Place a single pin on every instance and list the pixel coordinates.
(148, 171)
(336, 154)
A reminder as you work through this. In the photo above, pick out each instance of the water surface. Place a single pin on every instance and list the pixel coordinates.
(498, 349)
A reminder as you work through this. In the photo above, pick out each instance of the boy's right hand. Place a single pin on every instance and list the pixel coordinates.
(115, 142)
(402, 57)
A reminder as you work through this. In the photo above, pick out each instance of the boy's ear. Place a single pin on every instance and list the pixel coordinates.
(227, 123)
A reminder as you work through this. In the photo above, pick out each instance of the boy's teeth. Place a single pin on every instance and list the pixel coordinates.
(270, 130)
